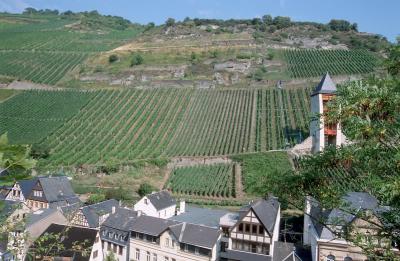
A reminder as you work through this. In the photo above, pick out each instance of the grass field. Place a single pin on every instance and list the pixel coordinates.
(126, 125)
(32, 115)
(43, 50)
(259, 170)
(314, 63)
(204, 180)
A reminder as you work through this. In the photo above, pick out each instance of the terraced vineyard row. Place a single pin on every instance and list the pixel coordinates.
(32, 115)
(39, 67)
(126, 125)
(207, 181)
(314, 63)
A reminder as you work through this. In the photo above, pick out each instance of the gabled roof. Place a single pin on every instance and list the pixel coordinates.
(123, 219)
(93, 212)
(71, 236)
(265, 210)
(352, 203)
(196, 235)
(27, 186)
(56, 188)
(161, 200)
(201, 216)
(151, 225)
(326, 86)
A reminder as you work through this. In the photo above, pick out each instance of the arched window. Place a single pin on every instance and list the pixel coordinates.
(347, 258)
(330, 258)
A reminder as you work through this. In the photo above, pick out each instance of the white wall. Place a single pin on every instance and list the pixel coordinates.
(150, 210)
(316, 125)
(275, 236)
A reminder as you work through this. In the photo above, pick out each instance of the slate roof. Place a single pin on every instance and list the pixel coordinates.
(266, 211)
(326, 86)
(82, 235)
(152, 225)
(201, 216)
(39, 215)
(285, 252)
(351, 202)
(236, 255)
(93, 212)
(123, 219)
(57, 188)
(27, 186)
(161, 200)
(196, 235)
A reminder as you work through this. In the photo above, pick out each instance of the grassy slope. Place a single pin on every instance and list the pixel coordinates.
(6, 94)
(258, 170)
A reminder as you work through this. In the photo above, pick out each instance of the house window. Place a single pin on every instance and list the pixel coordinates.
(148, 256)
(154, 257)
(253, 248)
(137, 254)
(115, 248)
(167, 242)
(146, 201)
(261, 230)
(95, 254)
(247, 228)
(241, 227)
(38, 193)
(254, 229)
(166, 258)
(116, 236)
(108, 246)
(120, 250)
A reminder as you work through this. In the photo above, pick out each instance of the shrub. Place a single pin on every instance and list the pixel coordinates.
(243, 56)
(258, 75)
(113, 58)
(96, 198)
(137, 59)
(170, 22)
(145, 189)
(270, 56)
(193, 57)
(40, 151)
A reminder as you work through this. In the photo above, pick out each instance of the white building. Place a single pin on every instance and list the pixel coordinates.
(159, 204)
(323, 134)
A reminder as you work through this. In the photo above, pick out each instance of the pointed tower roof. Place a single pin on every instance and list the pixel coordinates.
(326, 86)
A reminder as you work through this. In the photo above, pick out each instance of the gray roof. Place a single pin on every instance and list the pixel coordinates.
(56, 188)
(285, 252)
(352, 203)
(93, 212)
(39, 215)
(265, 210)
(244, 256)
(27, 186)
(161, 200)
(152, 225)
(201, 216)
(196, 235)
(326, 86)
(123, 219)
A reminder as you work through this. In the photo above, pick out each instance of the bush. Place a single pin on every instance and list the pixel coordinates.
(96, 198)
(270, 56)
(258, 75)
(170, 22)
(40, 151)
(145, 189)
(137, 59)
(193, 57)
(118, 194)
(243, 56)
(113, 58)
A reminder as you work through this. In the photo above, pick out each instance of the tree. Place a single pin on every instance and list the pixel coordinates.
(113, 58)
(282, 22)
(393, 62)
(137, 59)
(145, 189)
(15, 158)
(341, 25)
(369, 112)
(170, 22)
(267, 19)
(30, 10)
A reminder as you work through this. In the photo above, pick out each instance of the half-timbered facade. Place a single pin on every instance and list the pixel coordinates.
(94, 215)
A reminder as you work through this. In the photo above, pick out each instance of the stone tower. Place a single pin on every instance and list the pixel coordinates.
(323, 134)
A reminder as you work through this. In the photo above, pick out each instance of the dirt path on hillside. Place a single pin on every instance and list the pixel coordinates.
(238, 181)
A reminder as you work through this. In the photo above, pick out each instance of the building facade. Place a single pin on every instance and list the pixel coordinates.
(159, 204)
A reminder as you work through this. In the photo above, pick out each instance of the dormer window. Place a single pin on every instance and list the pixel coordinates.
(330, 258)
(37, 193)
(241, 227)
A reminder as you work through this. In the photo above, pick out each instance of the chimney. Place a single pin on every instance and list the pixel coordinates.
(113, 210)
(182, 206)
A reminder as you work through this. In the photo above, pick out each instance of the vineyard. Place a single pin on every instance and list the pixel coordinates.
(206, 181)
(44, 50)
(314, 63)
(32, 115)
(126, 125)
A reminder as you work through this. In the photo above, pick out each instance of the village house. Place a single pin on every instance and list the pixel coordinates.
(43, 192)
(323, 227)
(158, 204)
(155, 238)
(94, 215)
